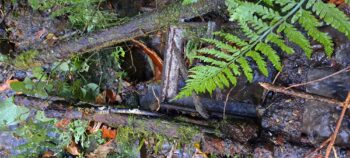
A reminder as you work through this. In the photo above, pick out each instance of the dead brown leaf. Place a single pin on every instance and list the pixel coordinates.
(40, 33)
(73, 149)
(48, 154)
(63, 123)
(101, 151)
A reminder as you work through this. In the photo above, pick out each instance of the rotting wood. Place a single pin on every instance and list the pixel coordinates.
(175, 64)
(295, 93)
(58, 108)
(138, 26)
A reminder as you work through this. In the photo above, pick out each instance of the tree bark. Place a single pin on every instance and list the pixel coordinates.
(138, 26)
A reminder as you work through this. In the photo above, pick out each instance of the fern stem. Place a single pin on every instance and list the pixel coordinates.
(267, 32)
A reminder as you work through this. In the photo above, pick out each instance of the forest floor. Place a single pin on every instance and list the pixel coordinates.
(113, 97)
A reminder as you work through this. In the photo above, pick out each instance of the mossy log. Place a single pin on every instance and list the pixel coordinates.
(136, 27)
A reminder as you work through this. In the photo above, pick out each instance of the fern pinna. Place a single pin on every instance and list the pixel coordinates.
(263, 26)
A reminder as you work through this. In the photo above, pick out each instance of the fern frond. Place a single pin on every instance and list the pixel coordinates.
(332, 16)
(247, 70)
(221, 45)
(298, 38)
(310, 24)
(211, 61)
(270, 53)
(273, 38)
(219, 54)
(260, 62)
(262, 25)
(232, 38)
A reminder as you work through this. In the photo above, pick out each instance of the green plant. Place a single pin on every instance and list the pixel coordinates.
(186, 2)
(262, 24)
(82, 14)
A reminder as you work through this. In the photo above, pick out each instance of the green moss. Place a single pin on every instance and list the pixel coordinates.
(26, 60)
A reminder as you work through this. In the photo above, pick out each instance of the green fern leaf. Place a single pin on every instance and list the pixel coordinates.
(230, 76)
(260, 62)
(332, 16)
(231, 38)
(247, 70)
(211, 61)
(216, 53)
(298, 38)
(271, 54)
(221, 45)
(310, 24)
(273, 38)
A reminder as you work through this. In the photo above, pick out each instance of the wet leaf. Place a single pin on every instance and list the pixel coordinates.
(40, 33)
(11, 114)
(112, 96)
(102, 151)
(73, 149)
(63, 123)
(48, 154)
(7, 85)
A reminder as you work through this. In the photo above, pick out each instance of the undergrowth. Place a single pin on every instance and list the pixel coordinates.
(265, 25)
(82, 14)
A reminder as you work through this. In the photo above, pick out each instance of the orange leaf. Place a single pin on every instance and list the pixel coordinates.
(6, 86)
(63, 123)
(112, 96)
(336, 2)
(108, 132)
(48, 154)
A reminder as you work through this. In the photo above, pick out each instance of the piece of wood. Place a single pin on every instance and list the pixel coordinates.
(295, 93)
(136, 27)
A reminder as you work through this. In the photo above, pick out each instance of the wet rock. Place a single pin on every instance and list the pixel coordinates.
(218, 146)
(284, 116)
(334, 87)
(319, 120)
(290, 151)
(294, 69)
(261, 152)
(8, 144)
(240, 131)
(20, 75)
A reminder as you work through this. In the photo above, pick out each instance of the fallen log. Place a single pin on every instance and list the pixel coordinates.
(139, 26)
(179, 129)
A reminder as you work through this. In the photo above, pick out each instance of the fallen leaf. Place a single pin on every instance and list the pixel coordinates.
(40, 33)
(63, 123)
(48, 154)
(73, 149)
(101, 151)
(107, 132)
(336, 2)
(101, 98)
(6, 86)
(112, 96)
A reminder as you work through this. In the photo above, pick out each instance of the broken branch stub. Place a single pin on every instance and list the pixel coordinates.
(136, 27)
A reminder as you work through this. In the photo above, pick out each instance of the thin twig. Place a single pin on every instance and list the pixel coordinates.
(300, 94)
(340, 120)
(228, 94)
(319, 148)
(335, 153)
(157, 98)
(320, 79)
